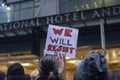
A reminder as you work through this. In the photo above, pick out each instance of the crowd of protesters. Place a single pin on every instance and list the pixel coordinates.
(92, 67)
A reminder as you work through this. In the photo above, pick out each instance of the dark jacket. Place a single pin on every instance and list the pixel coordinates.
(16, 78)
(60, 77)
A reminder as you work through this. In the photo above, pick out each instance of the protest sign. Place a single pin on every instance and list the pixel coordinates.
(62, 40)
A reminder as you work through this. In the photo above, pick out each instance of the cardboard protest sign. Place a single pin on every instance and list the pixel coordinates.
(62, 40)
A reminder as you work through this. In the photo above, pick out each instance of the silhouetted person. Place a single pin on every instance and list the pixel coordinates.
(16, 72)
(2, 75)
(50, 67)
(93, 67)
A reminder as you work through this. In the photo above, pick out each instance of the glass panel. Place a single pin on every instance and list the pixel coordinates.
(88, 4)
(18, 11)
(78, 5)
(75, 5)
(2, 8)
(17, 6)
(8, 16)
(97, 3)
(3, 17)
(11, 6)
(37, 2)
(71, 5)
(63, 7)
(118, 2)
(27, 4)
(63, 0)
(11, 16)
(36, 11)
(109, 2)
(26, 13)
(17, 15)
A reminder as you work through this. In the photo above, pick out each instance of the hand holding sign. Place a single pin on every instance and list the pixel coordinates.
(60, 59)
(61, 39)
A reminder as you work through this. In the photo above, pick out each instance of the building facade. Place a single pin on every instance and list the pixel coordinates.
(23, 29)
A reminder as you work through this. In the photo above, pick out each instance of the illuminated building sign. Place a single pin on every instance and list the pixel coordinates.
(62, 18)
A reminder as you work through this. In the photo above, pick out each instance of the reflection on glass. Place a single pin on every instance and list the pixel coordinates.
(3, 17)
(11, 16)
(18, 11)
(118, 2)
(17, 6)
(23, 5)
(63, 7)
(4, 14)
(97, 3)
(78, 5)
(26, 14)
(16, 15)
(109, 2)
(8, 8)
(75, 5)
(71, 5)
(36, 12)
(37, 2)
(88, 4)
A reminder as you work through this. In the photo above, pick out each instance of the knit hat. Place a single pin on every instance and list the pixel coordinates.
(15, 69)
(2, 75)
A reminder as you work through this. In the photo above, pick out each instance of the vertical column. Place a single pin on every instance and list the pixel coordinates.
(103, 44)
(37, 34)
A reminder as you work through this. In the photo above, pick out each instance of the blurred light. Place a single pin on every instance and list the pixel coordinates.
(11, 62)
(81, 57)
(74, 62)
(67, 57)
(77, 9)
(114, 54)
(25, 64)
(95, 4)
(3, 4)
(82, 6)
(87, 6)
(36, 60)
(71, 61)
(8, 8)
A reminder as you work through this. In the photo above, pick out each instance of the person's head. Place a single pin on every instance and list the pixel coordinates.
(116, 75)
(96, 60)
(93, 67)
(2, 75)
(15, 72)
(48, 68)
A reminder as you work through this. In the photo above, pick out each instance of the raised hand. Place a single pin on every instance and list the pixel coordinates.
(60, 58)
